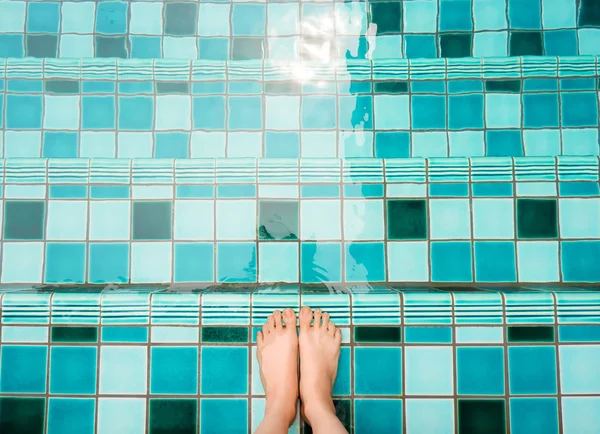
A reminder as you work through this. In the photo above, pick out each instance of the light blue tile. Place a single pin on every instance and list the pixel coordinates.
(420, 16)
(61, 112)
(151, 262)
(537, 261)
(429, 371)
(430, 144)
(22, 262)
(479, 335)
(123, 370)
(236, 262)
(12, 17)
(173, 112)
(15, 334)
(125, 334)
(278, 262)
(194, 220)
(577, 366)
(363, 219)
(392, 112)
(490, 44)
(450, 219)
(580, 414)
(146, 18)
(236, 220)
(127, 415)
(579, 218)
(493, 218)
(313, 227)
(67, 220)
(110, 220)
(503, 110)
(425, 416)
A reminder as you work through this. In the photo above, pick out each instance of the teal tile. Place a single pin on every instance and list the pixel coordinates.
(173, 415)
(22, 415)
(71, 416)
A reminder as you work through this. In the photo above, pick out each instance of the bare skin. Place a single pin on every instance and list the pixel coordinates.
(278, 359)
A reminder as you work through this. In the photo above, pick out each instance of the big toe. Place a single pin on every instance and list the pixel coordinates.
(305, 318)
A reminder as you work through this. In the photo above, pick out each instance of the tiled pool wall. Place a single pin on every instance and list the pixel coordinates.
(100, 221)
(394, 108)
(299, 31)
(412, 361)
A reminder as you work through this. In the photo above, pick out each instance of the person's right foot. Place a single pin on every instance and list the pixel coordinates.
(319, 355)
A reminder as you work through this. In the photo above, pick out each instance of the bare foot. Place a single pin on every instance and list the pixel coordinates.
(278, 360)
(319, 355)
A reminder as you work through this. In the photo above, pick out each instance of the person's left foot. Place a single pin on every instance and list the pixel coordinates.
(278, 360)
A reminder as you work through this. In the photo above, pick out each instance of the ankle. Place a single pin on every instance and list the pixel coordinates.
(313, 410)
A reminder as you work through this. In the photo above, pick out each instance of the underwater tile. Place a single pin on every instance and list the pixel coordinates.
(22, 415)
(481, 416)
(173, 415)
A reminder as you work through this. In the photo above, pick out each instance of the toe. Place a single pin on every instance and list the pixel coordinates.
(325, 320)
(278, 323)
(260, 340)
(270, 323)
(318, 313)
(331, 328)
(338, 336)
(305, 318)
(265, 329)
(289, 317)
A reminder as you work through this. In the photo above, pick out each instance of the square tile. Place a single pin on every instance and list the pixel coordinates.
(532, 370)
(503, 110)
(313, 226)
(481, 416)
(451, 261)
(23, 369)
(533, 415)
(429, 416)
(110, 220)
(180, 19)
(67, 220)
(22, 415)
(318, 112)
(579, 109)
(194, 262)
(540, 110)
(108, 263)
(493, 218)
(537, 218)
(365, 262)
(24, 220)
(420, 16)
(123, 370)
(174, 370)
(577, 366)
(450, 218)
(377, 371)
(524, 14)
(321, 262)
(236, 262)
(145, 19)
(387, 16)
(495, 261)
(465, 111)
(224, 370)
(65, 263)
(580, 414)
(152, 220)
(577, 258)
(455, 15)
(407, 219)
(223, 416)
(236, 220)
(537, 261)
(136, 113)
(43, 17)
(524, 43)
(111, 17)
(480, 370)
(579, 218)
(456, 45)
(589, 13)
(363, 219)
(60, 145)
(392, 144)
(71, 415)
(278, 220)
(420, 46)
(23, 111)
(378, 415)
(73, 370)
(428, 111)
(22, 262)
(12, 17)
(408, 261)
(126, 415)
(111, 46)
(429, 371)
(151, 262)
(173, 415)
(209, 111)
(278, 262)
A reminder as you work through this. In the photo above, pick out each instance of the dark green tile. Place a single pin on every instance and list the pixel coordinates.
(180, 18)
(24, 220)
(173, 416)
(387, 16)
(589, 13)
(282, 87)
(392, 86)
(172, 87)
(74, 334)
(512, 86)
(526, 44)
(407, 219)
(22, 415)
(42, 45)
(343, 410)
(536, 218)
(481, 416)
(530, 334)
(456, 45)
(68, 87)
(151, 220)
(278, 220)
(224, 334)
(111, 46)
(377, 334)
(247, 49)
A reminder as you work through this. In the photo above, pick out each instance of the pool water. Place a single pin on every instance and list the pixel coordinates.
(425, 170)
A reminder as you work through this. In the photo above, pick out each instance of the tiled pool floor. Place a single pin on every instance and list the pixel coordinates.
(412, 361)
